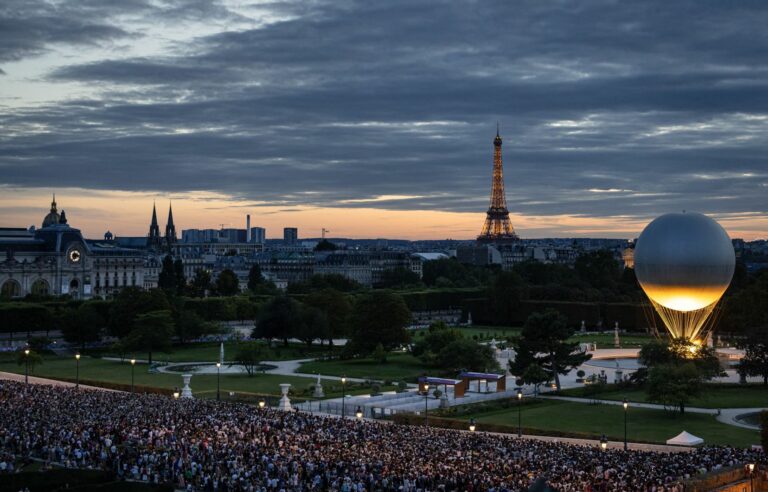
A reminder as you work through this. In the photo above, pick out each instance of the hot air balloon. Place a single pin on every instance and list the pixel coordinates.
(684, 263)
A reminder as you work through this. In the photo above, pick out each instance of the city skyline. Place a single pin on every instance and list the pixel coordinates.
(377, 120)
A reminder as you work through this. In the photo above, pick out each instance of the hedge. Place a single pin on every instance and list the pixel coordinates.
(21, 317)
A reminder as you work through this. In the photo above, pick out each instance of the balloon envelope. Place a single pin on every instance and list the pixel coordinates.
(684, 261)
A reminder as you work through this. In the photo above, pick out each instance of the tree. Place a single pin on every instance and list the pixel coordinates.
(82, 325)
(167, 278)
(504, 296)
(755, 361)
(379, 354)
(466, 354)
(153, 331)
(438, 336)
(543, 342)
(278, 319)
(681, 351)
(326, 245)
(227, 283)
(189, 325)
(336, 307)
(250, 354)
(201, 283)
(598, 268)
(324, 281)
(398, 278)
(536, 375)
(254, 277)
(181, 279)
(33, 359)
(313, 325)
(130, 303)
(674, 384)
(379, 317)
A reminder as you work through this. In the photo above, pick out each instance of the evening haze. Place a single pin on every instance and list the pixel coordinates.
(377, 119)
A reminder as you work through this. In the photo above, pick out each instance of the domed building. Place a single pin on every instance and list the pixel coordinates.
(53, 216)
(57, 260)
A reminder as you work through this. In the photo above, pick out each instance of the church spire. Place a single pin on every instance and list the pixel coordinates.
(154, 229)
(170, 228)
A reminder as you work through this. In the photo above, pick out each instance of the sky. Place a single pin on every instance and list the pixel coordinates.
(376, 119)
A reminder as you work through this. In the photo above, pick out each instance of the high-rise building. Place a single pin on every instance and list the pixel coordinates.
(290, 235)
(232, 236)
(497, 227)
(258, 235)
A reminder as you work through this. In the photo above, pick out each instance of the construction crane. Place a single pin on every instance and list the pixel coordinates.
(323, 231)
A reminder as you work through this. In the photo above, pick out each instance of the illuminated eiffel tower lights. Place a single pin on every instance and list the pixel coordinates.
(497, 227)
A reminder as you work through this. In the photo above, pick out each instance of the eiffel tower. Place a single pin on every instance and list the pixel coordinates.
(497, 227)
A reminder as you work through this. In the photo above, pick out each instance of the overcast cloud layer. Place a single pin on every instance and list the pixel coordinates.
(606, 108)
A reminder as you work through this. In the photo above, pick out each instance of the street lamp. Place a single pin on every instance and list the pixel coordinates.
(218, 381)
(519, 413)
(603, 442)
(26, 369)
(77, 375)
(359, 413)
(176, 395)
(751, 468)
(471, 451)
(262, 403)
(626, 406)
(426, 404)
(133, 366)
(343, 397)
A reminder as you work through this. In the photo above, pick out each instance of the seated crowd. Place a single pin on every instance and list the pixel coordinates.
(205, 445)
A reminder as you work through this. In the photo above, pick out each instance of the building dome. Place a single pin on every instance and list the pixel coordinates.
(53, 216)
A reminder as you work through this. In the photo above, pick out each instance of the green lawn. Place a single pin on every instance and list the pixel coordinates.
(643, 424)
(605, 340)
(713, 396)
(398, 367)
(117, 372)
(209, 351)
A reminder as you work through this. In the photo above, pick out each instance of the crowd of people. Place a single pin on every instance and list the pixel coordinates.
(208, 445)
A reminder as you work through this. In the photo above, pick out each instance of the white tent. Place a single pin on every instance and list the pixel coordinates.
(685, 439)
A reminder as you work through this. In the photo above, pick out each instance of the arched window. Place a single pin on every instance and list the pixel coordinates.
(11, 288)
(41, 288)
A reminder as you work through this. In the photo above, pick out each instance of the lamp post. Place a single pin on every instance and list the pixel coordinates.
(175, 395)
(751, 468)
(262, 403)
(359, 413)
(626, 406)
(26, 369)
(603, 442)
(218, 381)
(426, 404)
(77, 374)
(133, 366)
(519, 413)
(471, 451)
(343, 397)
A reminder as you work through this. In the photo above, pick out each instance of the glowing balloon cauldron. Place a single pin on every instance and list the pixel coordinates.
(684, 263)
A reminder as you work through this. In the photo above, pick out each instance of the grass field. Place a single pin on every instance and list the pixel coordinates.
(713, 396)
(398, 367)
(643, 424)
(209, 351)
(605, 340)
(204, 386)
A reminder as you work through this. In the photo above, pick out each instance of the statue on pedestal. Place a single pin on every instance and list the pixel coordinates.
(285, 402)
(186, 391)
(318, 389)
(616, 339)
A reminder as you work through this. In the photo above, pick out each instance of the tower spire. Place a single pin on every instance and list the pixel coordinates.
(497, 227)
(154, 229)
(170, 228)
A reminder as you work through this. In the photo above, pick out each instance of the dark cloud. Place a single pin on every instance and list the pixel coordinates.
(606, 108)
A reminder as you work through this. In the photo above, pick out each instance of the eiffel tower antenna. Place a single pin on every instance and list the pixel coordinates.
(497, 227)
